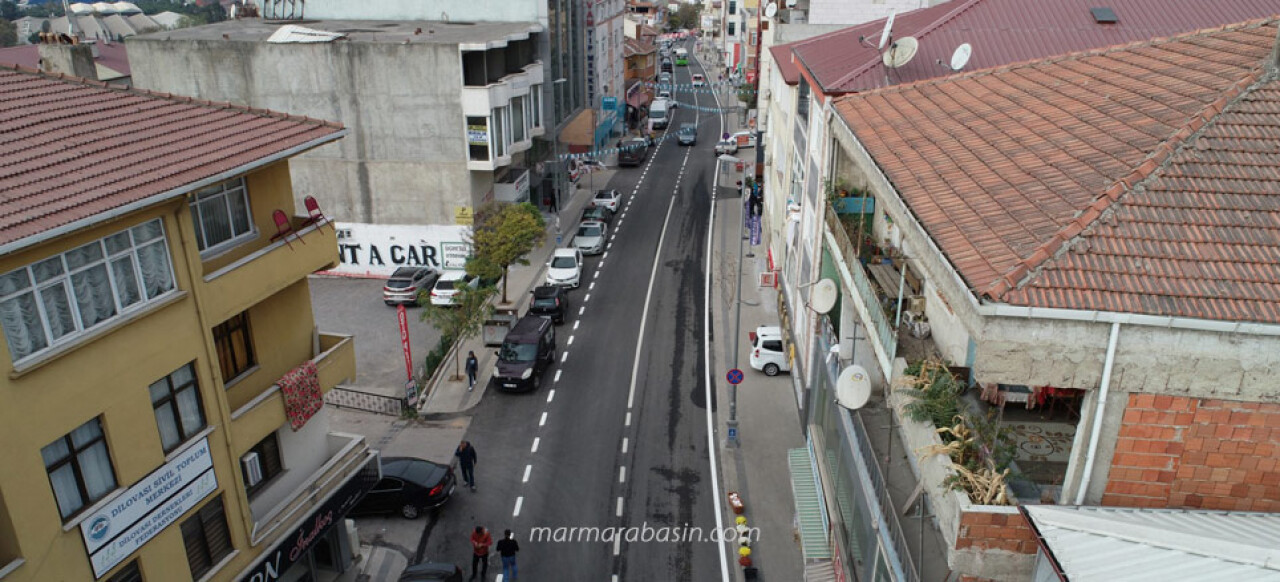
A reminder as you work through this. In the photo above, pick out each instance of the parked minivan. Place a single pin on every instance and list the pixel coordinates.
(526, 352)
(660, 113)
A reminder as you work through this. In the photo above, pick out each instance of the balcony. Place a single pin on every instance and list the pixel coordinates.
(884, 338)
(265, 272)
(480, 101)
(348, 457)
(335, 364)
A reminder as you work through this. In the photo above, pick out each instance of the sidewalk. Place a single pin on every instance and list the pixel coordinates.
(446, 395)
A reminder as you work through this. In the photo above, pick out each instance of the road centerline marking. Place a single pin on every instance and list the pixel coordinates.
(543, 421)
(551, 395)
(536, 440)
(527, 470)
(519, 502)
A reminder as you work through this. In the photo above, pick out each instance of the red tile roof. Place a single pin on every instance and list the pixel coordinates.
(632, 47)
(1142, 179)
(71, 149)
(1007, 31)
(782, 59)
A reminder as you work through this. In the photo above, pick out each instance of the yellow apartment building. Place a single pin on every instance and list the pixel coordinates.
(161, 387)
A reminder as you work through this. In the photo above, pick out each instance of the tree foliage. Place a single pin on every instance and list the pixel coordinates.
(686, 16)
(9, 10)
(502, 235)
(462, 320)
(8, 33)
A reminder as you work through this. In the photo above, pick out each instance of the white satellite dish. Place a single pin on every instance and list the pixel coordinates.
(887, 32)
(771, 10)
(853, 387)
(960, 58)
(825, 294)
(901, 52)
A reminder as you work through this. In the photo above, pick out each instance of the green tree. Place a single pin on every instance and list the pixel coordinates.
(686, 16)
(8, 33)
(501, 236)
(9, 11)
(462, 320)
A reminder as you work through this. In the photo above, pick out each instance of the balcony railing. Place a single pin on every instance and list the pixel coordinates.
(885, 334)
(265, 272)
(335, 364)
(348, 455)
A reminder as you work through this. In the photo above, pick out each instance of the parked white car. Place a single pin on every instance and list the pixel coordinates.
(442, 293)
(610, 199)
(591, 237)
(768, 354)
(565, 268)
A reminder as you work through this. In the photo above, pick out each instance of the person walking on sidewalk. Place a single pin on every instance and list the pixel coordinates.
(507, 548)
(473, 366)
(467, 460)
(480, 542)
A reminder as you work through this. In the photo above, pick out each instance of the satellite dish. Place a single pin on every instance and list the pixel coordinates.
(901, 52)
(771, 10)
(825, 294)
(887, 32)
(853, 387)
(960, 58)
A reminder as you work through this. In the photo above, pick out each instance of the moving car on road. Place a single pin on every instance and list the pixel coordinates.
(699, 80)
(688, 134)
(409, 486)
(448, 285)
(633, 151)
(610, 199)
(590, 238)
(406, 283)
(565, 268)
(660, 113)
(550, 302)
(527, 352)
(767, 352)
(726, 146)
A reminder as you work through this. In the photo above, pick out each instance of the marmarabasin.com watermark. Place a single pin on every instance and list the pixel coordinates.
(644, 533)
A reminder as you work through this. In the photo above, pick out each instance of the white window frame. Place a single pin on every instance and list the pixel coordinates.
(224, 191)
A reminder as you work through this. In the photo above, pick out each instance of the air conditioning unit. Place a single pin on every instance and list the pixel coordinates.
(252, 469)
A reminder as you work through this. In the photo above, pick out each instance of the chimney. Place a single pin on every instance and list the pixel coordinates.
(71, 59)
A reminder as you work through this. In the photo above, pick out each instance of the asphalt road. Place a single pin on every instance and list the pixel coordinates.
(590, 451)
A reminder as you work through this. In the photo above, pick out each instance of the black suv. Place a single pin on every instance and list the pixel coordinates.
(526, 352)
(550, 302)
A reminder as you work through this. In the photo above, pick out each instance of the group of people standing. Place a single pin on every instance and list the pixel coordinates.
(507, 548)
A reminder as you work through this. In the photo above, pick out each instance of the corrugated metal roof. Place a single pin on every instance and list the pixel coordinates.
(72, 150)
(1007, 31)
(1116, 544)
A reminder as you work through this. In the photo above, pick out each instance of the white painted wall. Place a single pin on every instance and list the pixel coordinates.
(504, 11)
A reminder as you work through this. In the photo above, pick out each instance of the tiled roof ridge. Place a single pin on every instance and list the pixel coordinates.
(1027, 269)
(271, 113)
(964, 6)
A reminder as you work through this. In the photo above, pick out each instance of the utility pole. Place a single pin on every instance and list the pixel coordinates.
(737, 335)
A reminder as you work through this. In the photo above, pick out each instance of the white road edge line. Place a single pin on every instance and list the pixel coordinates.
(519, 502)
(527, 470)
(535, 444)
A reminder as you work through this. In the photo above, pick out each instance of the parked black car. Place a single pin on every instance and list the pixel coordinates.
(597, 213)
(406, 283)
(408, 487)
(550, 302)
(526, 352)
(432, 572)
(633, 151)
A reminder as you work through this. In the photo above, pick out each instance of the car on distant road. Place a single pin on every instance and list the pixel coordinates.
(726, 146)
(596, 213)
(699, 80)
(688, 134)
(767, 351)
(565, 268)
(664, 94)
(405, 284)
(550, 302)
(633, 151)
(591, 237)
(448, 285)
(409, 486)
(610, 199)
(664, 79)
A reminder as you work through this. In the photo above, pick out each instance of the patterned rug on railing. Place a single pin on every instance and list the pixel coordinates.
(302, 397)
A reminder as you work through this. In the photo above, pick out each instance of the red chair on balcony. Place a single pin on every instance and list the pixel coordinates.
(284, 228)
(314, 215)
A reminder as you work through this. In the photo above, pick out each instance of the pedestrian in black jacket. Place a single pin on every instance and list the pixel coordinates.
(473, 366)
(507, 548)
(466, 455)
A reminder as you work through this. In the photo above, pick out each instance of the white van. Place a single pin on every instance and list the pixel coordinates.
(767, 352)
(660, 113)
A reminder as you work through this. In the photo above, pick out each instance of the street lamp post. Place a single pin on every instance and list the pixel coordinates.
(555, 149)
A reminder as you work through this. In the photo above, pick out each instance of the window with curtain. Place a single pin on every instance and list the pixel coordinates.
(268, 450)
(221, 216)
(235, 347)
(206, 538)
(58, 299)
(176, 399)
(517, 119)
(129, 573)
(79, 467)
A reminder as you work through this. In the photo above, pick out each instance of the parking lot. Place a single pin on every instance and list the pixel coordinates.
(354, 306)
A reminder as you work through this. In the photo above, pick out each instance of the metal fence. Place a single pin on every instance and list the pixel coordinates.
(885, 332)
(862, 444)
(344, 397)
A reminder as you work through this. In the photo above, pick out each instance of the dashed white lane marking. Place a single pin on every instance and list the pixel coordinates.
(564, 357)
(596, 274)
(628, 421)
(551, 395)
(581, 309)
(591, 286)
(557, 379)
(519, 502)
(586, 298)
(624, 444)
(622, 474)
(604, 256)
(570, 340)
(601, 265)
(619, 511)
(527, 470)
(543, 421)
(575, 328)
(536, 440)
(617, 545)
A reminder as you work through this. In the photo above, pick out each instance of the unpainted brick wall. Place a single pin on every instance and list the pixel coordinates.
(1197, 453)
(995, 531)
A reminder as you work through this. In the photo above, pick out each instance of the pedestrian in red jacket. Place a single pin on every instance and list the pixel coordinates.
(480, 542)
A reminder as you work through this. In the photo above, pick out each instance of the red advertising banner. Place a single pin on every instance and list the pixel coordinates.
(404, 340)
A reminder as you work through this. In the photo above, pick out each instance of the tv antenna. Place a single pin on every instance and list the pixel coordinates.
(885, 34)
(959, 59)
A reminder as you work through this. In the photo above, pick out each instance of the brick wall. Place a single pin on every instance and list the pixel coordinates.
(1197, 453)
(980, 530)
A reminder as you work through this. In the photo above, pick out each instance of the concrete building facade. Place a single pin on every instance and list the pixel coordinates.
(162, 403)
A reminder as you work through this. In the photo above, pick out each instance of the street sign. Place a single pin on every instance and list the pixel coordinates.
(734, 376)
(411, 392)
(733, 434)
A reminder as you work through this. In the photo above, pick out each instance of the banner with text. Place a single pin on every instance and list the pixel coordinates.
(376, 250)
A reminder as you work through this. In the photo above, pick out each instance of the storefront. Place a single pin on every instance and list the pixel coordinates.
(320, 547)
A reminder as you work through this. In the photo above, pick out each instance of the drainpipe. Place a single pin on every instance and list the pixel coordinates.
(1097, 416)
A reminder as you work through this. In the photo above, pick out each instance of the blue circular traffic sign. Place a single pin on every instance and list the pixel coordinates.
(734, 376)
